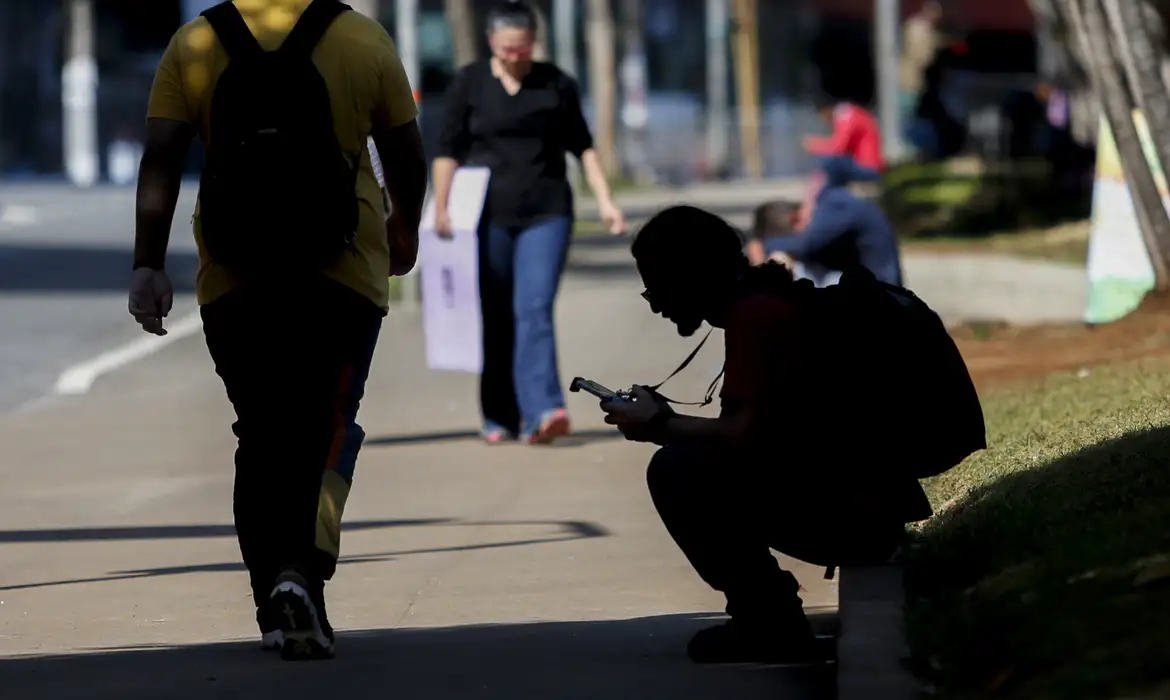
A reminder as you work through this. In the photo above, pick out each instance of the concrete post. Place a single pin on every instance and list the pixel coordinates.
(564, 21)
(717, 23)
(887, 19)
(79, 82)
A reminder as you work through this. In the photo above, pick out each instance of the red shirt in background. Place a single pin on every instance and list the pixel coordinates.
(855, 134)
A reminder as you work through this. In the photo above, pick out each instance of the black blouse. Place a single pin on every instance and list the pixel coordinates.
(523, 138)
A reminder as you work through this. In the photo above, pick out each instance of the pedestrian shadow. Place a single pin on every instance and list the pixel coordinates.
(576, 439)
(641, 658)
(551, 531)
(30, 268)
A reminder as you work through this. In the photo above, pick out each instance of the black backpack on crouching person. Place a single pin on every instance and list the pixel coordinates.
(898, 374)
(277, 196)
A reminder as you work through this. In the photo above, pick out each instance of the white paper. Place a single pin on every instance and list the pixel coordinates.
(449, 271)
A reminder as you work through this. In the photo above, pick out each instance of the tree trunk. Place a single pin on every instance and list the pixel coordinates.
(747, 85)
(1088, 22)
(602, 81)
(463, 35)
(1133, 34)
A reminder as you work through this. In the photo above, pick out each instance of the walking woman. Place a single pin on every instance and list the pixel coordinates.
(519, 118)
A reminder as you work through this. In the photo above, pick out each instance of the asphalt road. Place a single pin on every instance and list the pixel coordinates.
(65, 261)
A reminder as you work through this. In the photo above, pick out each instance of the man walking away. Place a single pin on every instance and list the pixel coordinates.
(295, 254)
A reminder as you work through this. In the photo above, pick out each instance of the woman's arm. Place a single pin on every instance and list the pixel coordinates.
(595, 176)
(580, 143)
(454, 138)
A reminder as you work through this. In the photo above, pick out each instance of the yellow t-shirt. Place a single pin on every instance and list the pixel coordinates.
(367, 85)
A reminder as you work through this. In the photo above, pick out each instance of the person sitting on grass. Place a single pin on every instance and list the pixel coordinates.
(780, 219)
(844, 232)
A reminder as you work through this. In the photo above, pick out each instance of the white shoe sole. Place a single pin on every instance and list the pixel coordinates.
(300, 625)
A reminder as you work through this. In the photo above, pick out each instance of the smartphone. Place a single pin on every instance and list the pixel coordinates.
(592, 387)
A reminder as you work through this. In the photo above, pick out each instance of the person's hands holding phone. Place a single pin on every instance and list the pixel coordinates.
(636, 416)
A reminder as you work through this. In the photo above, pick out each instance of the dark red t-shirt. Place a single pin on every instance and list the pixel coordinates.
(762, 344)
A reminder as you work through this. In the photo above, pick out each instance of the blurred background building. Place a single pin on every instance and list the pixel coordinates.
(64, 115)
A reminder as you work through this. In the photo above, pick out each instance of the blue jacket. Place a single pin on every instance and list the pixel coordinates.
(846, 232)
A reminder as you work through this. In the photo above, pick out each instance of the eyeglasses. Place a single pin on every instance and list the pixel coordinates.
(514, 51)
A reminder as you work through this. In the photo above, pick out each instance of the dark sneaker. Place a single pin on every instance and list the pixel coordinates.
(736, 642)
(271, 636)
(298, 608)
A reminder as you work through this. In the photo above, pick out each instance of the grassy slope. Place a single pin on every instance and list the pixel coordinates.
(1046, 574)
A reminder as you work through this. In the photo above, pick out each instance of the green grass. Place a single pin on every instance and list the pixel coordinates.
(1066, 243)
(1046, 572)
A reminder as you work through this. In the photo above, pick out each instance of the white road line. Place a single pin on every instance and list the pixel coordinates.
(80, 377)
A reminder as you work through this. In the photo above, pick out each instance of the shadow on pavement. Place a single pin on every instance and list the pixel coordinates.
(576, 439)
(177, 532)
(27, 268)
(642, 658)
(561, 531)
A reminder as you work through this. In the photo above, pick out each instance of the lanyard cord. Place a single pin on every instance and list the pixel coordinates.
(707, 397)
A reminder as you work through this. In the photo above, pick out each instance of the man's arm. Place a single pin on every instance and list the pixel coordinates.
(732, 427)
(394, 129)
(159, 178)
(832, 218)
(405, 169)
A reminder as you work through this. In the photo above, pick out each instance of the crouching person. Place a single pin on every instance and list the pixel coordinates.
(775, 470)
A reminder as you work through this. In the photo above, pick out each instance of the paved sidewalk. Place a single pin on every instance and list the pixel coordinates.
(469, 572)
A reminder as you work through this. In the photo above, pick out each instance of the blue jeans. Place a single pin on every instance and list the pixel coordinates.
(846, 167)
(519, 274)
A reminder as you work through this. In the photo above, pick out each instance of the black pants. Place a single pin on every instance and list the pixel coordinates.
(725, 515)
(294, 359)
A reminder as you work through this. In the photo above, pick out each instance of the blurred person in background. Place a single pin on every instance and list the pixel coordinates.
(780, 219)
(921, 41)
(855, 144)
(295, 256)
(520, 118)
(844, 232)
(853, 151)
(933, 129)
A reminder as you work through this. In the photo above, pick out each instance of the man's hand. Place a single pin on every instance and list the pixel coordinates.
(633, 416)
(784, 259)
(151, 297)
(403, 246)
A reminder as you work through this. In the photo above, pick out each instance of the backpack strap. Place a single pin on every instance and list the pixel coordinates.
(309, 29)
(232, 30)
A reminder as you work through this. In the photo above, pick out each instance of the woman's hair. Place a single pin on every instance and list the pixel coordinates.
(511, 14)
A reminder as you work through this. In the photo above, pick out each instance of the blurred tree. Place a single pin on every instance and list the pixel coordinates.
(602, 80)
(461, 18)
(747, 71)
(1103, 53)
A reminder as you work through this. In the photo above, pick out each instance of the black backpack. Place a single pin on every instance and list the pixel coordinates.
(908, 386)
(277, 196)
